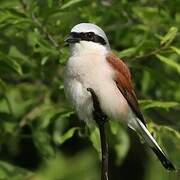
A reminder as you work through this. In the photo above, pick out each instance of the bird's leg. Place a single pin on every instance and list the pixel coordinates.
(101, 119)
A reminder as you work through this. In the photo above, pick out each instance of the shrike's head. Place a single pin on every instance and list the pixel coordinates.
(87, 36)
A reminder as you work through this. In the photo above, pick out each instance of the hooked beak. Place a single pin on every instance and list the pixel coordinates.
(70, 39)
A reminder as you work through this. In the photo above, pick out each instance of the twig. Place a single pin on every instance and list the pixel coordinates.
(151, 53)
(44, 30)
(30, 116)
(101, 120)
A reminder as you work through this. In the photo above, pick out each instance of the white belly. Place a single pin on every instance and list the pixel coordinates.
(94, 72)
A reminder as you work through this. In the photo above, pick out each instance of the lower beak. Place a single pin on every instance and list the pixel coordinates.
(71, 40)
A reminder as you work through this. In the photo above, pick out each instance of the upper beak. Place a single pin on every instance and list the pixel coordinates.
(70, 39)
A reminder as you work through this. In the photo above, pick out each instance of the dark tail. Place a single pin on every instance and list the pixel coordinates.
(154, 146)
(162, 157)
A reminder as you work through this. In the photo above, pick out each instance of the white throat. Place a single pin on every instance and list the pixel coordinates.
(84, 47)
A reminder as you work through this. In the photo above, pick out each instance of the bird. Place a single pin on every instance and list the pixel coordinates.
(92, 64)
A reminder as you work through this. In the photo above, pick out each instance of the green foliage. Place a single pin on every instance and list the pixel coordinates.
(61, 167)
(95, 139)
(61, 139)
(169, 62)
(34, 110)
(168, 38)
(121, 141)
(8, 171)
(147, 104)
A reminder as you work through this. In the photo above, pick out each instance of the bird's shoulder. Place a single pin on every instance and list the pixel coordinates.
(118, 65)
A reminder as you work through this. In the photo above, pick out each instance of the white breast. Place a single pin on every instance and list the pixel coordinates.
(92, 71)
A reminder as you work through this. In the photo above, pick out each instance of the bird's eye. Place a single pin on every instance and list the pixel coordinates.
(90, 35)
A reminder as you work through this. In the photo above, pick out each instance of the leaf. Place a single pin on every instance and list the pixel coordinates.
(70, 3)
(44, 60)
(171, 131)
(9, 127)
(81, 166)
(3, 85)
(50, 3)
(14, 65)
(47, 113)
(122, 146)
(4, 89)
(15, 13)
(148, 15)
(169, 62)
(11, 63)
(60, 139)
(147, 104)
(145, 81)
(114, 128)
(127, 52)
(169, 36)
(175, 49)
(122, 143)
(15, 53)
(95, 139)
(8, 171)
(170, 140)
(43, 143)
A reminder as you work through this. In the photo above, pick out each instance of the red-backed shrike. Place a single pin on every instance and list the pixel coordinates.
(93, 65)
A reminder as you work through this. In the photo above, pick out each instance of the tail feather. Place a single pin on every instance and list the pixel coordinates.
(154, 146)
(162, 157)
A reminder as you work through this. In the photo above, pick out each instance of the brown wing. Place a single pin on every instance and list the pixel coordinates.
(124, 84)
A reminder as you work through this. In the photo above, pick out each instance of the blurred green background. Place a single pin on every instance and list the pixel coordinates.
(41, 138)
